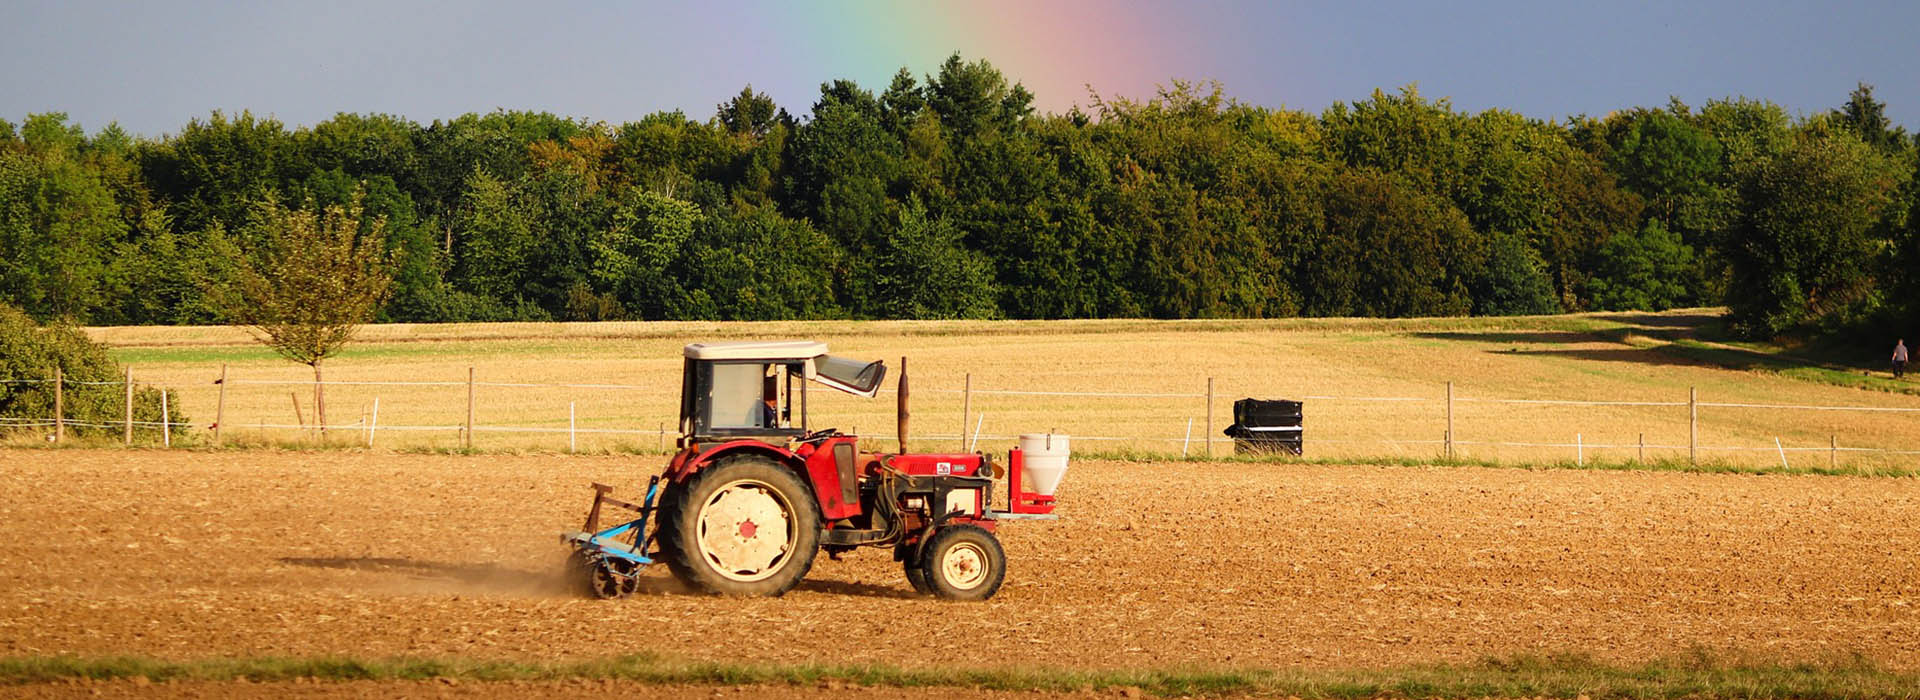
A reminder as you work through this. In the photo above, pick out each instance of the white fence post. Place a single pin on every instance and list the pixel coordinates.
(166, 422)
(373, 424)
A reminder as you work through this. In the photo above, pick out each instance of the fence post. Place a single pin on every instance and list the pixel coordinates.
(966, 407)
(469, 431)
(1643, 449)
(166, 422)
(1693, 425)
(59, 405)
(1188, 440)
(127, 437)
(1833, 451)
(662, 433)
(1783, 451)
(297, 417)
(373, 424)
(1579, 450)
(220, 407)
(1449, 420)
(1206, 431)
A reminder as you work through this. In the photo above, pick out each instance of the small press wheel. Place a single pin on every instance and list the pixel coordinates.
(612, 578)
(963, 562)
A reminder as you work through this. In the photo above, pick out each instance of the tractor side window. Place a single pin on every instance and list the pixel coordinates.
(861, 377)
(735, 396)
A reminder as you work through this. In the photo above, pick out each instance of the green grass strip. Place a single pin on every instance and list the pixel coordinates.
(1699, 675)
(1656, 465)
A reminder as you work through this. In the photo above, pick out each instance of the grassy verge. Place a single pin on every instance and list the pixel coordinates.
(1700, 675)
(1658, 465)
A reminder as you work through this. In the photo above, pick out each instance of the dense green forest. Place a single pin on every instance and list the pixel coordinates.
(949, 196)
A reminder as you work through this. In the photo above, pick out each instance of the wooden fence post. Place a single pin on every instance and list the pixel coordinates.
(1206, 431)
(127, 435)
(966, 407)
(1643, 448)
(1449, 420)
(297, 417)
(1833, 451)
(1693, 425)
(59, 405)
(468, 433)
(220, 408)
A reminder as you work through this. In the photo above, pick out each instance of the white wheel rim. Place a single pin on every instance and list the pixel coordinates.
(964, 566)
(746, 530)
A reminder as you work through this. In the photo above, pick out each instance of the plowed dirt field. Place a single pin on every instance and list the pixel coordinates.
(186, 555)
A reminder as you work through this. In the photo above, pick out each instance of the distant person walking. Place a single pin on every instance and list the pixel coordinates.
(1899, 358)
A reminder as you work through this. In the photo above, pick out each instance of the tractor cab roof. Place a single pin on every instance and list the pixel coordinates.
(770, 350)
(848, 375)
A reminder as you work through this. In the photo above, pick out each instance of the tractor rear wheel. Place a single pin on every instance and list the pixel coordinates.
(745, 526)
(963, 562)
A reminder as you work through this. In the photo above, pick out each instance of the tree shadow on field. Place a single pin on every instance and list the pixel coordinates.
(1540, 337)
(1692, 321)
(1639, 356)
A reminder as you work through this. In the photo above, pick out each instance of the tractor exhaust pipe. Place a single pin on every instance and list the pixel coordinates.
(902, 402)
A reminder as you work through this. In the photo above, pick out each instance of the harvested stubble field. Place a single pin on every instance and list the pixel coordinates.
(187, 555)
(1593, 357)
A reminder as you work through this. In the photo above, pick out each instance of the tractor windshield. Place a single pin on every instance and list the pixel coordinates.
(851, 376)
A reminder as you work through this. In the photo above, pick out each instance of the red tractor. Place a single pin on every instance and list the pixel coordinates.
(755, 491)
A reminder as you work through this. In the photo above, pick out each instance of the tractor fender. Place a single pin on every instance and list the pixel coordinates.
(688, 462)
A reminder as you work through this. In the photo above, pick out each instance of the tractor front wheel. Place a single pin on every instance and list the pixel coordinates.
(963, 562)
(745, 526)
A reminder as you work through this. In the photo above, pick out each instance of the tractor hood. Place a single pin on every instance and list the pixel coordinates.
(852, 376)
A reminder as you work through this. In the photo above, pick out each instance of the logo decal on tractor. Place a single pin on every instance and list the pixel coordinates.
(943, 469)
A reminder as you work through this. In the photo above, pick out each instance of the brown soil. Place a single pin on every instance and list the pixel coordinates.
(183, 555)
(587, 690)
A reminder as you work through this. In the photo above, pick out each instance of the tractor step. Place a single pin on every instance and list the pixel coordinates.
(1004, 515)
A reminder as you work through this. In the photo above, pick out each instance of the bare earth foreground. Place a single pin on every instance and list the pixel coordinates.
(189, 555)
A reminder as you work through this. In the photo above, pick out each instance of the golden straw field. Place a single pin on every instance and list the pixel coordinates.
(1335, 364)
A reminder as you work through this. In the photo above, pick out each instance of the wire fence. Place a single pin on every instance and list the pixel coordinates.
(639, 417)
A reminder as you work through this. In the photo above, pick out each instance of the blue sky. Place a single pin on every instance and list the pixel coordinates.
(152, 66)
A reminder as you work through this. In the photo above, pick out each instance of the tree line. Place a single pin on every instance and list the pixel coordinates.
(948, 196)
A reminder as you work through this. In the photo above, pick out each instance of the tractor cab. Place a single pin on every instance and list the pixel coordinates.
(758, 390)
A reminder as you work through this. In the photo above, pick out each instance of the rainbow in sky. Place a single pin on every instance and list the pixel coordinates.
(1058, 49)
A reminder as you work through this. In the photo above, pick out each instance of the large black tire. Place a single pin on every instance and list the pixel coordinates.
(745, 526)
(963, 562)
